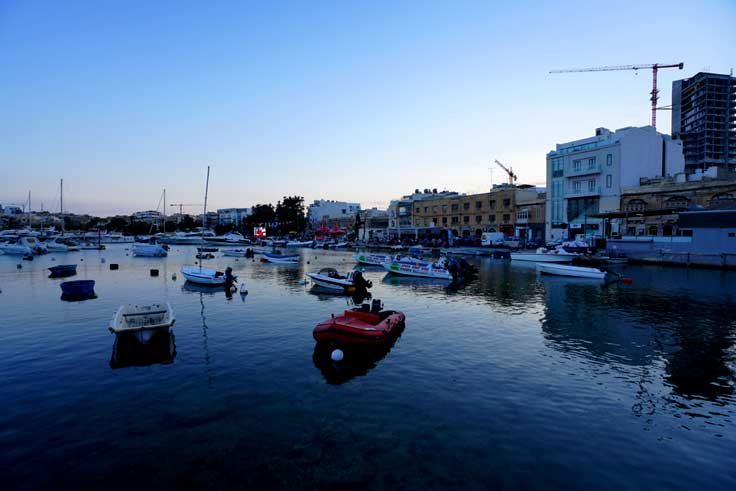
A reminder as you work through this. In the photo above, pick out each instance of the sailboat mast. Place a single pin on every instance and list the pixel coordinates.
(61, 204)
(206, 191)
(164, 210)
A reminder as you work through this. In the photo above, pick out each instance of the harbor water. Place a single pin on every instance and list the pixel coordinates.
(514, 381)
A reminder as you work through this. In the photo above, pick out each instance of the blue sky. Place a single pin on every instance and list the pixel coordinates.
(358, 101)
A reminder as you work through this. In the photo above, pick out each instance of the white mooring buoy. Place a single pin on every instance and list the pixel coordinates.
(337, 355)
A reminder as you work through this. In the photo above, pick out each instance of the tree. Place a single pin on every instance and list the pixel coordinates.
(357, 225)
(290, 214)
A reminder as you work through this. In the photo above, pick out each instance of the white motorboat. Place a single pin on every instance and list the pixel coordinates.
(188, 238)
(373, 259)
(149, 250)
(235, 252)
(230, 238)
(576, 271)
(142, 320)
(300, 243)
(61, 244)
(205, 276)
(422, 269)
(23, 246)
(330, 279)
(269, 257)
(542, 255)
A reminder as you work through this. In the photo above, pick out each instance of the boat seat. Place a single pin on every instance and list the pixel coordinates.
(153, 312)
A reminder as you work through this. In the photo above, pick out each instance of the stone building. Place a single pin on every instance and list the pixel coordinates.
(651, 208)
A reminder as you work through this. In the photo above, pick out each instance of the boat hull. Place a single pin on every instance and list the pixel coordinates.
(359, 328)
(572, 271)
(419, 270)
(542, 258)
(149, 250)
(334, 284)
(373, 259)
(204, 276)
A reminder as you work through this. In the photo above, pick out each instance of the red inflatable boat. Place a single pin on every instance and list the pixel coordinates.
(360, 326)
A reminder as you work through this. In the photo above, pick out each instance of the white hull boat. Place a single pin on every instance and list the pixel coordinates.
(419, 269)
(231, 239)
(542, 258)
(149, 250)
(330, 279)
(23, 246)
(373, 259)
(574, 271)
(142, 320)
(234, 252)
(204, 276)
(300, 243)
(280, 258)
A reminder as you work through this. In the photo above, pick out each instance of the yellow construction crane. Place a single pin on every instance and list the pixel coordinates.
(509, 171)
(654, 67)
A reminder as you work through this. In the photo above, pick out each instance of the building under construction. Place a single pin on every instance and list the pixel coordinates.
(704, 118)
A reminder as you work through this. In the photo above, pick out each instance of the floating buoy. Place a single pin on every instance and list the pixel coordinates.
(243, 289)
(173, 277)
(337, 355)
(82, 259)
(114, 266)
(53, 259)
(102, 260)
(20, 266)
(307, 262)
(154, 272)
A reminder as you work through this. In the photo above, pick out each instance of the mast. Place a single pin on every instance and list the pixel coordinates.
(206, 190)
(61, 201)
(164, 210)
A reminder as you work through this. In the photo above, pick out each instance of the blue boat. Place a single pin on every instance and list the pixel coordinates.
(80, 289)
(280, 258)
(63, 270)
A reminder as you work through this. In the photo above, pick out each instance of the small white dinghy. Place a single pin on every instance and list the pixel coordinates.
(574, 271)
(142, 320)
(205, 276)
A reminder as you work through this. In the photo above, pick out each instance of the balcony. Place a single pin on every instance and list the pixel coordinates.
(584, 170)
(584, 191)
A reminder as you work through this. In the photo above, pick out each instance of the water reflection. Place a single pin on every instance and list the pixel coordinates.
(130, 350)
(358, 361)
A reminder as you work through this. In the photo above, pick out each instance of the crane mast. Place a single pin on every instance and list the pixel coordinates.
(509, 171)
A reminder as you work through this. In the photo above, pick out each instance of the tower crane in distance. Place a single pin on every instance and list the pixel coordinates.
(509, 171)
(654, 67)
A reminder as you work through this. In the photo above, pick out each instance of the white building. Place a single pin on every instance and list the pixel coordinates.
(585, 177)
(149, 216)
(232, 216)
(323, 209)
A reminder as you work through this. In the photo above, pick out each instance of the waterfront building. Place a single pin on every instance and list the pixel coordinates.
(375, 224)
(471, 214)
(585, 177)
(232, 216)
(530, 218)
(704, 118)
(323, 209)
(149, 216)
(10, 210)
(401, 212)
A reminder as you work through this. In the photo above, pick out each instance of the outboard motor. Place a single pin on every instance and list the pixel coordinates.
(376, 306)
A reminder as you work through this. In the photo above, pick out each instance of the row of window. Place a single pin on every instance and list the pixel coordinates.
(466, 219)
(679, 202)
(466, 206)
(558, 164)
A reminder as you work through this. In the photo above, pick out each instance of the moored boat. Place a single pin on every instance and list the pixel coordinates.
(270, 257)
(330, 279)
(78, 290)
(149, 250)
(542, 255)
(575, 271)
(373, 259)
(365, 325)
(207, 276)
(436, 270)
(141, 318)
(300, 243)
(63, 270)
(61, 244)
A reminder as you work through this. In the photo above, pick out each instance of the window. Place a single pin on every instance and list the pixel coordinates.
(732, 234)
(578, 186)
(636, 205)
(454, 207)
(676, 202)
(417, 210)
(466, 219)
(444, 220)
(506, 217)
(454, 220)
(609, 159)
(478, 205)
(466, 206)
(506, 203)
(591, 163)
(491, 218)
(652, 230)
(558, 169)
(426, 209)
(444, 208)
(577, 164)
(478, 218)
(609, 181)
(493, 203)
(434, 209)
(591, 185)
(557, 188)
